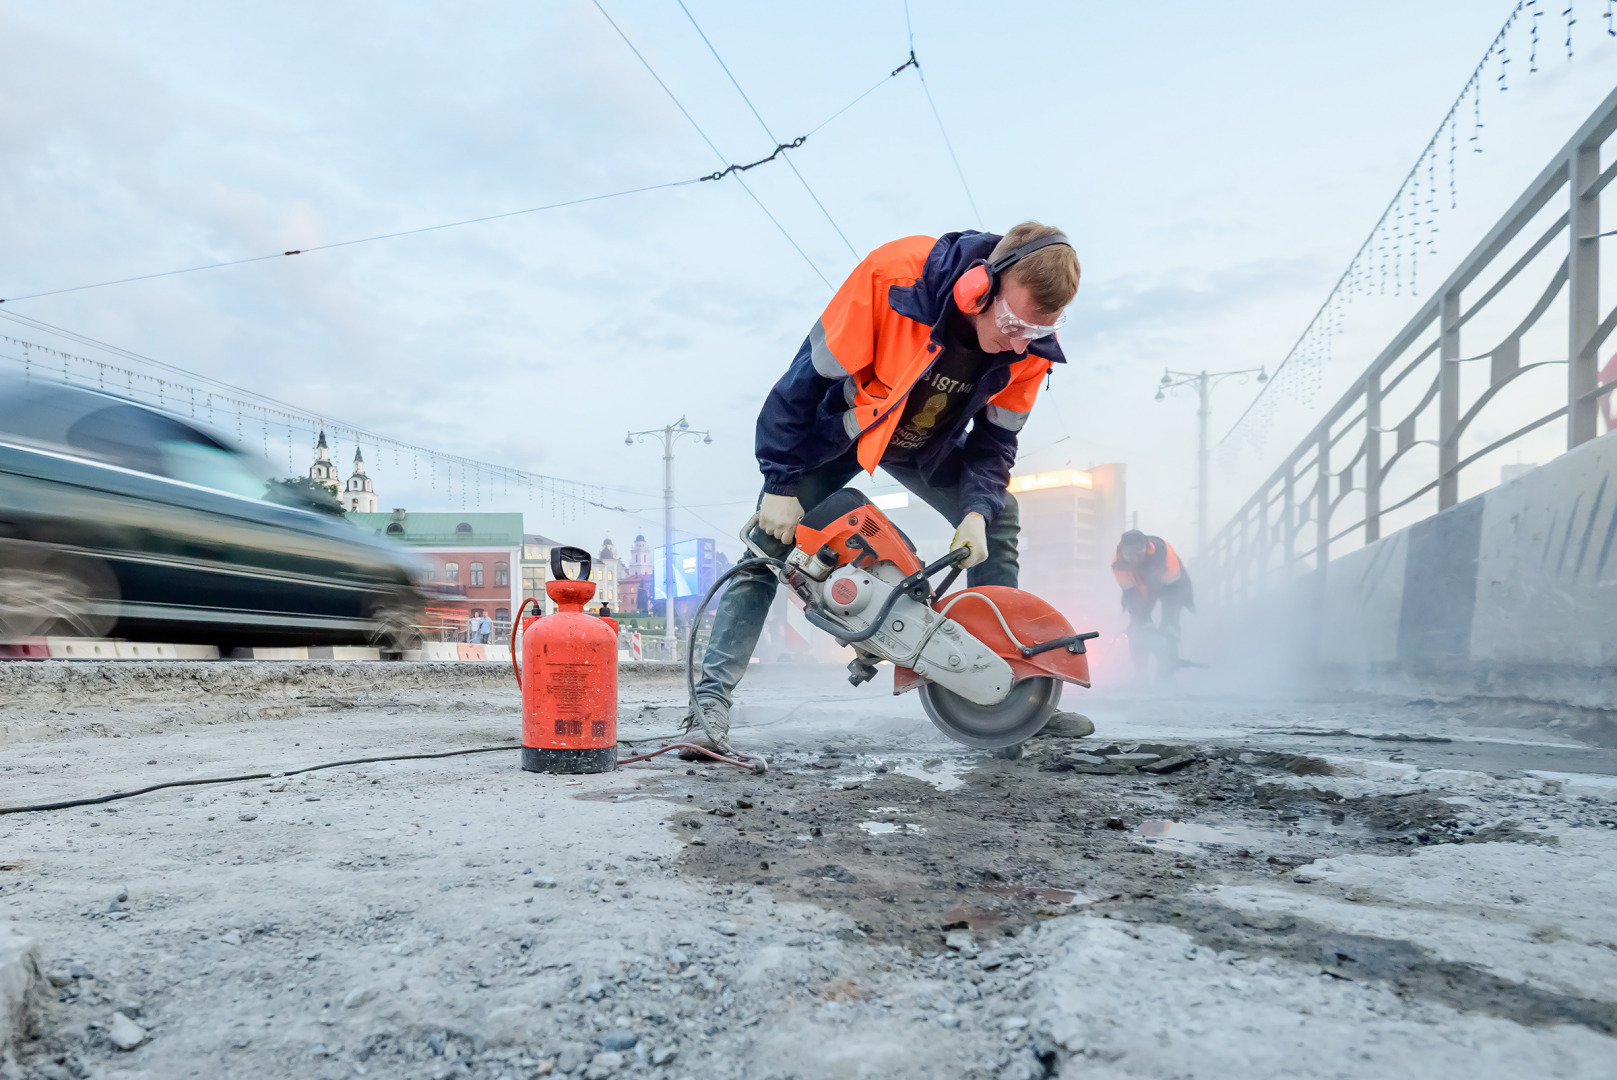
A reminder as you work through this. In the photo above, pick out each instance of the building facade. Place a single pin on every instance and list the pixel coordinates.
(475, 562)
(1071, 520)
(605, 570)
(635, 579)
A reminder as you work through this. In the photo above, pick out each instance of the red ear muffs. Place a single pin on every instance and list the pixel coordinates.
(972, 289)
(976, 287)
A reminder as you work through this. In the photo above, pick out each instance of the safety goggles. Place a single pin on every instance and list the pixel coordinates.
(1012, 326)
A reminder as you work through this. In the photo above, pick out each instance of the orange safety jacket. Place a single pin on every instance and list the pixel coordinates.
(1160, 574)
(845, 389)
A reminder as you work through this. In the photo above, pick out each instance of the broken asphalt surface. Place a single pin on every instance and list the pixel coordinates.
(1346, 887)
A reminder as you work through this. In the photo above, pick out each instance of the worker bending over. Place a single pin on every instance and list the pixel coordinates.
(1149, 571)
(926, 362)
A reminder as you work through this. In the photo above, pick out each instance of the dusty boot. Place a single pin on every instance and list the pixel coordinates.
(709, 725)
(1066, 725)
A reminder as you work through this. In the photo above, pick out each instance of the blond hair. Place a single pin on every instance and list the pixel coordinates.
(1050, 274)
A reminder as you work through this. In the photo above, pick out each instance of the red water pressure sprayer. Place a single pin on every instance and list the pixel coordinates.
(569, 678)
(570, 690)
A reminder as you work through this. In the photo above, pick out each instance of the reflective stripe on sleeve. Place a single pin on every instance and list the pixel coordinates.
(825, 361)
(850, 423)
(1009, 419)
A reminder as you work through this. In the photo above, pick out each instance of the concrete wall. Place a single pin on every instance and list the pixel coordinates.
(1509, 594)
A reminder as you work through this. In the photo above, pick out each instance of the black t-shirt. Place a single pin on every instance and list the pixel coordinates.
(937, 397)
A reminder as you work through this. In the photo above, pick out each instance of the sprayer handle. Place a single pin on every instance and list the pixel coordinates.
(560, 555)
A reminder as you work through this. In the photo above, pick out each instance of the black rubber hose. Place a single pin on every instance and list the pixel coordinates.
(696, 625)
(115, 796)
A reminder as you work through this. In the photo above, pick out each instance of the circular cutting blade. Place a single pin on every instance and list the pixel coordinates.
(1019, 717)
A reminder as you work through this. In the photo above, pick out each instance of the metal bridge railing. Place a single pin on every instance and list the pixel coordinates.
(1363, 454)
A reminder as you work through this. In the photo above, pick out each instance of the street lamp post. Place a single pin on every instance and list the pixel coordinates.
(668, 435)
(1204, 383)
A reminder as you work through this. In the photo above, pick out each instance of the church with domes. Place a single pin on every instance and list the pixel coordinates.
(357, 495)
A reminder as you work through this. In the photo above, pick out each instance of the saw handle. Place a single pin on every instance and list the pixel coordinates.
(1073, 643)
(951, 560)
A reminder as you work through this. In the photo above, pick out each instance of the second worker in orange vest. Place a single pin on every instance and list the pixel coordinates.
(926, 362)
(1148, 570)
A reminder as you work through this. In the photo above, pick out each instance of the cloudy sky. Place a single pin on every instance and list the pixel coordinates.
(1216, 164)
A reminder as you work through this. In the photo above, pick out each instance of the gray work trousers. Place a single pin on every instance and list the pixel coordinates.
(745, 603)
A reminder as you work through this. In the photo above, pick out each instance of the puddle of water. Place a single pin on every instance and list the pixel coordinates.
(1190, 833)
(882, 828)
(944, 777)
(1154, 830)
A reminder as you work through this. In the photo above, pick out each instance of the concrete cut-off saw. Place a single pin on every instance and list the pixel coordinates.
(988, 661)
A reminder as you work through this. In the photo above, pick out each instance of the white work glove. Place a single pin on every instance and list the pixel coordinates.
(972, 533)
(778, 516)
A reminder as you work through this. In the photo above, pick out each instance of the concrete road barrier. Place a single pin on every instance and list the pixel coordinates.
(1512, 593)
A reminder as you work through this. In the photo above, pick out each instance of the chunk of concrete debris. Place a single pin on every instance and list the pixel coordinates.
(1086, 759)
(1136, 759)
(962, 942)
(570, 1057)
(359, 997)
(618, 1039)
(663, 1055)
(603, 1065)
(725, 927)
(1169, 764)
(125, 1033)
(826, 762)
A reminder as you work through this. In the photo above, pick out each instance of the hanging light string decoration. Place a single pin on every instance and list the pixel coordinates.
(1397, 234)
(567, 498)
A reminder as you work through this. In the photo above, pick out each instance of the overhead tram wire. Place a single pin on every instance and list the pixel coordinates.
(789, 163)
(686, 113)
(309, 249)
(357, 240)
(939, 117)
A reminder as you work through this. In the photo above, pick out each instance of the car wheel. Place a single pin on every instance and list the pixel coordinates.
(57, 597)
(396, 626)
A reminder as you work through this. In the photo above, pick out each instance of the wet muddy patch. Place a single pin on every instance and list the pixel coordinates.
(1005, 843)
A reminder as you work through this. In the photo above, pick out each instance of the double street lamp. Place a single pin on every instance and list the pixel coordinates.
(1204, 383)
(668, 434)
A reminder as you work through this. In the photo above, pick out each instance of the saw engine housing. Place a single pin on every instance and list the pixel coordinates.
(989, 661)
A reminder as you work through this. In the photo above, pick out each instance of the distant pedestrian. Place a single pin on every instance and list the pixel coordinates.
(485, 628)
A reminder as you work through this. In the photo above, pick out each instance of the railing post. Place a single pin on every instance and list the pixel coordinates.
(1290, 522)
(1372, 457)
(1322, 512)
(1583, 225)
(1448, 402)
(1263, 538)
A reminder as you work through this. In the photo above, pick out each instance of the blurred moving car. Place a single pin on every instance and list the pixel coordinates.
(119, 519)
